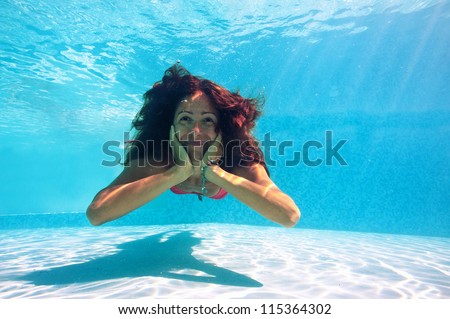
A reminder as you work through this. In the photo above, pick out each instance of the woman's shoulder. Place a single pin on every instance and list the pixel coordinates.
(139, 168)
(149, 166)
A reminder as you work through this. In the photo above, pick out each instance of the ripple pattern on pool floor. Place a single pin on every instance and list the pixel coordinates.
(220, 261)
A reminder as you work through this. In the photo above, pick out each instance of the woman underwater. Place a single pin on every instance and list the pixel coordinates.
(193, 137)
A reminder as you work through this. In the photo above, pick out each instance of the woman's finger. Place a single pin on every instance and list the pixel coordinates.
(180, 154)
(219, 138)
(215, 150)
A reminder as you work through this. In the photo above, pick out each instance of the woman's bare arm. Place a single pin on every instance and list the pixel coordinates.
(134, 187)
(138, 185)
(253, 187)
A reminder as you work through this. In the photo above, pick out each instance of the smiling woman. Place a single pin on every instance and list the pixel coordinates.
(194, 137)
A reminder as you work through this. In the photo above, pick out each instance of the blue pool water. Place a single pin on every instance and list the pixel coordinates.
(374, 74)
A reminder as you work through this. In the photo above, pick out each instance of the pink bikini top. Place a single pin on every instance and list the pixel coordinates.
(221, 194)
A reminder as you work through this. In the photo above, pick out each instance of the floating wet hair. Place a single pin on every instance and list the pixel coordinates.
(236, 116)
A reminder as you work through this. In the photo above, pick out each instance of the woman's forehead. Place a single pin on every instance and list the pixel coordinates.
(196, 103)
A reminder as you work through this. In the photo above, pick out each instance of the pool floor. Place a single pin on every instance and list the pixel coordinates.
(220, 261)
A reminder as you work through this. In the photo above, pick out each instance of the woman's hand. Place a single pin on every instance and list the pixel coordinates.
(180, 155)
(214, 152)
(212, 158)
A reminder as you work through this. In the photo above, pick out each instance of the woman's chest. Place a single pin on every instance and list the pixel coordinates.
(211, 189)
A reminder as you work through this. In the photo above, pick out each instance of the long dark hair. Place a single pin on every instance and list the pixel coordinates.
(237, 118)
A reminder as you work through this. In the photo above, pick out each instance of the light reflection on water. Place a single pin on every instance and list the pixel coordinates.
(93, 62)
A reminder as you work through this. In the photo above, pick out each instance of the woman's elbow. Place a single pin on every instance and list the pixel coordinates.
(293, 218)
(94, 216)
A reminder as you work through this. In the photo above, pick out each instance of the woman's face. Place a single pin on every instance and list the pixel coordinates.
(196, 122)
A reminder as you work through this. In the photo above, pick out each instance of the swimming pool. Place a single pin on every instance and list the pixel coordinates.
(221, 261)
(370, 75)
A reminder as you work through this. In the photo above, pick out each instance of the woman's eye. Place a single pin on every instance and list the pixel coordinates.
(185, 118)
(209, 120)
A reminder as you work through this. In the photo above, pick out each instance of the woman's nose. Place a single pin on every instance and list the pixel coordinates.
(197, 127)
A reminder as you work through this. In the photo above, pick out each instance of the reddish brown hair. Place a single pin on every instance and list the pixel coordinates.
(237, 118)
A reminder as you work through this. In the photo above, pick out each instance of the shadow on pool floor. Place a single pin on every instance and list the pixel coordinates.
(150, 256)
